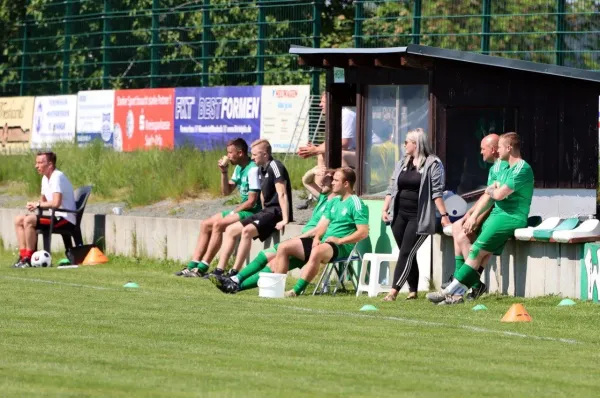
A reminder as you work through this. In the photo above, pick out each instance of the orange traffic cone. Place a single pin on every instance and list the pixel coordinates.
(516, 313)
(95, 256)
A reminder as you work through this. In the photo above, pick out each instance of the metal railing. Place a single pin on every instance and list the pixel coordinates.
(63, 46)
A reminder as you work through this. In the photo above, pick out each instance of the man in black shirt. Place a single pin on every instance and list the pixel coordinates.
(276, 198)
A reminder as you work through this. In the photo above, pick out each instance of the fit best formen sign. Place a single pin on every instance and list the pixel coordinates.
(590, 272)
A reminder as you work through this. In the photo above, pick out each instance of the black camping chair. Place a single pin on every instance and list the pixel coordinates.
(70, 234)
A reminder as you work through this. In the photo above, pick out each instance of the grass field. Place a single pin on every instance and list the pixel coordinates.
(78, 332)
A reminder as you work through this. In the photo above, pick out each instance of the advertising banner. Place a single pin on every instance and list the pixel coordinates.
(590, 272)
(208, 117)
(143, 119)
(95, 116)
(284, 120)
(16, 116)
(54, 120)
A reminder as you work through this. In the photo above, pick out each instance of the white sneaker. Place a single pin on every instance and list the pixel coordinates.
(290, 293)
(451, 300)
(436, 297)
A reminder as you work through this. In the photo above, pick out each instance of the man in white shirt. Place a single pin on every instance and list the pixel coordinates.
(57, 192)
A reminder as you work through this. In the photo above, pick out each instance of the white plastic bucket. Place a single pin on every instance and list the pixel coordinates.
(271, 285)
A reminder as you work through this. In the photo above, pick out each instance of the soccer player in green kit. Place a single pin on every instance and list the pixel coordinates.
(245, 179)
(346, 222)
(462, 240)
(511, 196)
(247, 278)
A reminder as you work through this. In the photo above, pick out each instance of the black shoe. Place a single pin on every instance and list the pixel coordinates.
(475, 293)
(23, 263)
(182, 272)
(216, 271)
(193, 273)
(224, 284)
(232, 272)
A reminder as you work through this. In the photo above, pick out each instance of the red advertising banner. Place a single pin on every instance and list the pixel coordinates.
(144, 119)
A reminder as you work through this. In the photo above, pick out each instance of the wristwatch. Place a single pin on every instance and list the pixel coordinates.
(37, 205)
(445, 215)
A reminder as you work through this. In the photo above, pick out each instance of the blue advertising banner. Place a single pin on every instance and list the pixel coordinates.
(95, 117)
(208, 117)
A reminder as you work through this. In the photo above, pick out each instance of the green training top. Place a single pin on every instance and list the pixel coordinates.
(246, 179)
(519, 178)
(344, 216)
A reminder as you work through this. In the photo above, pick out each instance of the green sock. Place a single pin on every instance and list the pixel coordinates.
(193, 264)
(300, 286)
(252, 281)
(467, 276)
(477, 285)
(459, 261)
(202, 266)
(254, 267)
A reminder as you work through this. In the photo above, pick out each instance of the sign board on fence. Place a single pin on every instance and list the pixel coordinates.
(95, 116)
(16, 115)
(284, 121)
(143, 118)
(590, 272)
(208, 117)
(54, 119)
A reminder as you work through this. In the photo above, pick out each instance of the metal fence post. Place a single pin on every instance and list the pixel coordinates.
(358, 23)
(316, 43)
(24, 54)
(154, 57)
(416, 28)
(485, 26)
(206, 37)
(260, 48)
(106, 45)
(559, 44)
(66, 66)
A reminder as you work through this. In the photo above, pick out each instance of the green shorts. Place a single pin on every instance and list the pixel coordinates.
(495, 231)
(343, 251)
(243, 214)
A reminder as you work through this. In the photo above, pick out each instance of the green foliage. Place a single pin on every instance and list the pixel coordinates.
(521, 29)
(140, 177)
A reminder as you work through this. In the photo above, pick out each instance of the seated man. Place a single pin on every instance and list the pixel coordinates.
(57, 192)
(462, 240)
(511, 196)
(248, 277)
(245, 178)
(276, 196)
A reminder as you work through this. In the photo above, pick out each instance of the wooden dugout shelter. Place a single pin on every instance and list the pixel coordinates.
(458, 97)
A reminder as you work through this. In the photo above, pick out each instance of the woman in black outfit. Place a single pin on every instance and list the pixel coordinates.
(414, 193)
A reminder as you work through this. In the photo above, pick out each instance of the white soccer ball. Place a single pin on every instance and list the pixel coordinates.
(41, 258)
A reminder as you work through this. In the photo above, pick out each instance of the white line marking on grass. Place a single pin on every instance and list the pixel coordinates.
(57, 283)
(430, 323)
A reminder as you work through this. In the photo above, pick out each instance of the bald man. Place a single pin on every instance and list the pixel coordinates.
(464, 240)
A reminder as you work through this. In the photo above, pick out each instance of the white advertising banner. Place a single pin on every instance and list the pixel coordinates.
(95, 116)
(284, 120)
(54, 119)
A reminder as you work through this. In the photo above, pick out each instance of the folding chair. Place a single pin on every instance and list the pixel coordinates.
(82, 195)
(342, 267)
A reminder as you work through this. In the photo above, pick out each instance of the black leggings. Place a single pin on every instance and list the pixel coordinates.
(404, 229)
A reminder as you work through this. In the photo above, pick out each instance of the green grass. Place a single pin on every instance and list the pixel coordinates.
(79, 333)
(138, 178)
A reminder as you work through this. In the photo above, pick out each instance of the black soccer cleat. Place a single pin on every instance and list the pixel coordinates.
(475, 293)
(224, 284)
(23, 263)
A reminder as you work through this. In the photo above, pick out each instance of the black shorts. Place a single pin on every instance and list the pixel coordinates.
(264, 221)
(43, 222)
(307, 246)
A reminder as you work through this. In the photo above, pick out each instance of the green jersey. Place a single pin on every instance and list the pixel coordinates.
(317, 212)
(344, 216)
(497, 168)
(519, 178)
(246, 179)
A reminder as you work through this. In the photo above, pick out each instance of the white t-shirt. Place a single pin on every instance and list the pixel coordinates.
(59, 182)
(349, 125)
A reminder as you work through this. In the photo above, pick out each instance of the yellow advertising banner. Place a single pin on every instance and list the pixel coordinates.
(16, 118)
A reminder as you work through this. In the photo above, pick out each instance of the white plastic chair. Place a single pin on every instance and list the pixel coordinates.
(527, 233)
(589, 229)
(373, 288)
